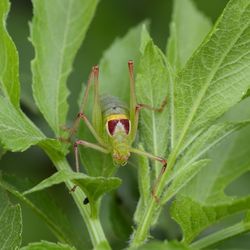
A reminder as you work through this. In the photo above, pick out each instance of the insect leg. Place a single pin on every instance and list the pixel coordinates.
(132, 114)
(140, 106)
(88, 145)
(163, 169)
(97, 112)
(132, 86)
(84, 100)
(83, 117)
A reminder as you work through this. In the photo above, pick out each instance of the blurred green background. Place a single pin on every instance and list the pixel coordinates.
(113, 19)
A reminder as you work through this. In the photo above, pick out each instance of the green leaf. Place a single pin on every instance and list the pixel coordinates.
(187, 30)
(159, 245)
(152, 89)
(43, 205)
(93, 187)
(119, 218)
(57, 31)
(144, 177)
(114, 77)
(223, 234)
(247, 94)
(182, 177)
(113, 81)
(2, 151)
(144, 186)
(221, 64)
(213, 80)
(207, 140)
(229, 161)
(187, 167)
(145, 38)
(195, 217)
(9, 72)
(45, 245)
(11, 223)
(17, 132)
(193, 210)
(102, 246)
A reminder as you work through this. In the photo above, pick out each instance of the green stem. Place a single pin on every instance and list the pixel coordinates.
(140, 235)
(93, 225)
(221, 235)
(142, 230)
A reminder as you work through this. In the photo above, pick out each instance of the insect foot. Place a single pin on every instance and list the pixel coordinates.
(156, 198)
(81, 115)
(64, 140)
(163, 169)
(73, 189)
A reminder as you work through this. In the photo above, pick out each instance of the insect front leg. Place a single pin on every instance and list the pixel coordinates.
(97, 117)
(163, 169)
(97, 112)
(84, 118)
(88, 145)
(74, 128)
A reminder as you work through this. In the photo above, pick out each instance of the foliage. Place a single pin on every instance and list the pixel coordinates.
(11, 223)
(203, 131)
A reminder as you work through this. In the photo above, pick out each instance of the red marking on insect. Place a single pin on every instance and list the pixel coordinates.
(113, 123)
(126, 125)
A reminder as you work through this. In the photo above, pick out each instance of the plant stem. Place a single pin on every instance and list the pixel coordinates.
(141, 233)
(221, 235)
(93, 225)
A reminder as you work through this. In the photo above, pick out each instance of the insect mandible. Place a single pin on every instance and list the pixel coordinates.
(114, 125)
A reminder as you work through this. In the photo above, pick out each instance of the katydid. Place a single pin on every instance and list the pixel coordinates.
(114, 125)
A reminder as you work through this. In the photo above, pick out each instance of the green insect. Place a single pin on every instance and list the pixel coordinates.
(114, 125)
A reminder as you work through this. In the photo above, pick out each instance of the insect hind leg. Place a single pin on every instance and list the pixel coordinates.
(140, 106)
(163, 169)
